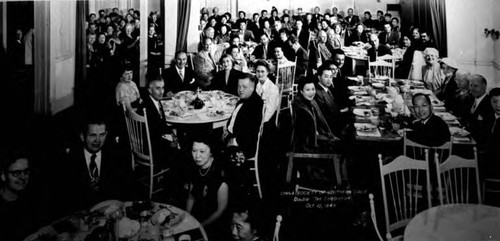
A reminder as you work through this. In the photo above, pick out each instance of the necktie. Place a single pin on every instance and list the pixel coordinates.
(94, 172)
(181, 74)
(226, 77)
(473, 107)
(212, 59)
(160, 109)
(264, 55)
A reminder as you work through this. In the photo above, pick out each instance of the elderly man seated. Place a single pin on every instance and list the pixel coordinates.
(320, 51)
(480, 112)
(206, 60)
(376, 49)
(428, 129)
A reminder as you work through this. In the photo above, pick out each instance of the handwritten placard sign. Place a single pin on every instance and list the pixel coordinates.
(322, 200)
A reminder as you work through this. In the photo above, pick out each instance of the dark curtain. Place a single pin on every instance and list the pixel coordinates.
(81, 51)
(183, 12)
(430, 15)
(438, 16)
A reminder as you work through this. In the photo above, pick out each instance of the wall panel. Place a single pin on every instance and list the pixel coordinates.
(62, 54)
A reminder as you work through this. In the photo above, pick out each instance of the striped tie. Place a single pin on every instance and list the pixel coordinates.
(94, 172)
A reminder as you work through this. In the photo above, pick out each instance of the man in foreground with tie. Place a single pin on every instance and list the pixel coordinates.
(95, 171)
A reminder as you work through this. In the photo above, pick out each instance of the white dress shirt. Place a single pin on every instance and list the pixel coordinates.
(181, 72)
(97, 161)
(477, 101)
(270, 94)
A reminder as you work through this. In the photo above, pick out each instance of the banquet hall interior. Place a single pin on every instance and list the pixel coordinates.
(288, 116)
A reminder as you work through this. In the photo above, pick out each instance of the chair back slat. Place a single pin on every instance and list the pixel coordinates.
(405, 183)
(382, 68)
(458, 179)
(255, 159)
(416, 150)
(285, 80)
(140, 143)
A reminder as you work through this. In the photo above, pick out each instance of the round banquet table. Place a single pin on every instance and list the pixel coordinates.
(218, 107)
(124, 221)
(455, 222)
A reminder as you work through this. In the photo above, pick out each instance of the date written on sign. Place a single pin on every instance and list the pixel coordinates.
(321, 199)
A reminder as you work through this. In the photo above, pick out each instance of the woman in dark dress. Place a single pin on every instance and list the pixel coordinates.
(403, 67)
(312, 133)
(208, 190)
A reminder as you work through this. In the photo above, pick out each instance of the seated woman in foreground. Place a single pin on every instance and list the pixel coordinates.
(208, 190)
(312, 133)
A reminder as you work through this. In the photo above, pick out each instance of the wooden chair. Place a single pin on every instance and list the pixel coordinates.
(277, 226)
(458, 180)
(141, 149)
(299, 188)
(190, 58)
(417, 151)
(293, 156)
(285, 79)
(381, 69)
(374, 216)
(403, 190)
(492, 186)
(255, 160)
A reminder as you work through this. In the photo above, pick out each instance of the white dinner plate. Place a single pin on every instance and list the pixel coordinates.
(362, 112)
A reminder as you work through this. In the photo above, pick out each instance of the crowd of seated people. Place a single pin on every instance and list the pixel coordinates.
(239, 57)
(113, 40)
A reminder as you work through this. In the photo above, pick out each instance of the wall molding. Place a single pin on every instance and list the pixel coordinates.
(476, 62)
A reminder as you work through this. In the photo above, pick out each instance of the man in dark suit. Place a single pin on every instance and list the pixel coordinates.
(377, 49)
(301, 33)
(243, 126)
(320, 51)
(351, 19)
(481, 111)
(254, 25)
(300, 55)
(95, 172)
(428, 129)
(264, 50)
(263, 17)
(163, 142)
(179, 77)
(388, 37)
(326, 100)
(226, 79)
(317, 17)
(245, 33)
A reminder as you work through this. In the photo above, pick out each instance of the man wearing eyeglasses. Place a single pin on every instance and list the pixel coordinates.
(17, 212)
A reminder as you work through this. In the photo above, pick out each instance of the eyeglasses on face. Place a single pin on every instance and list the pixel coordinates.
(18, 173)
